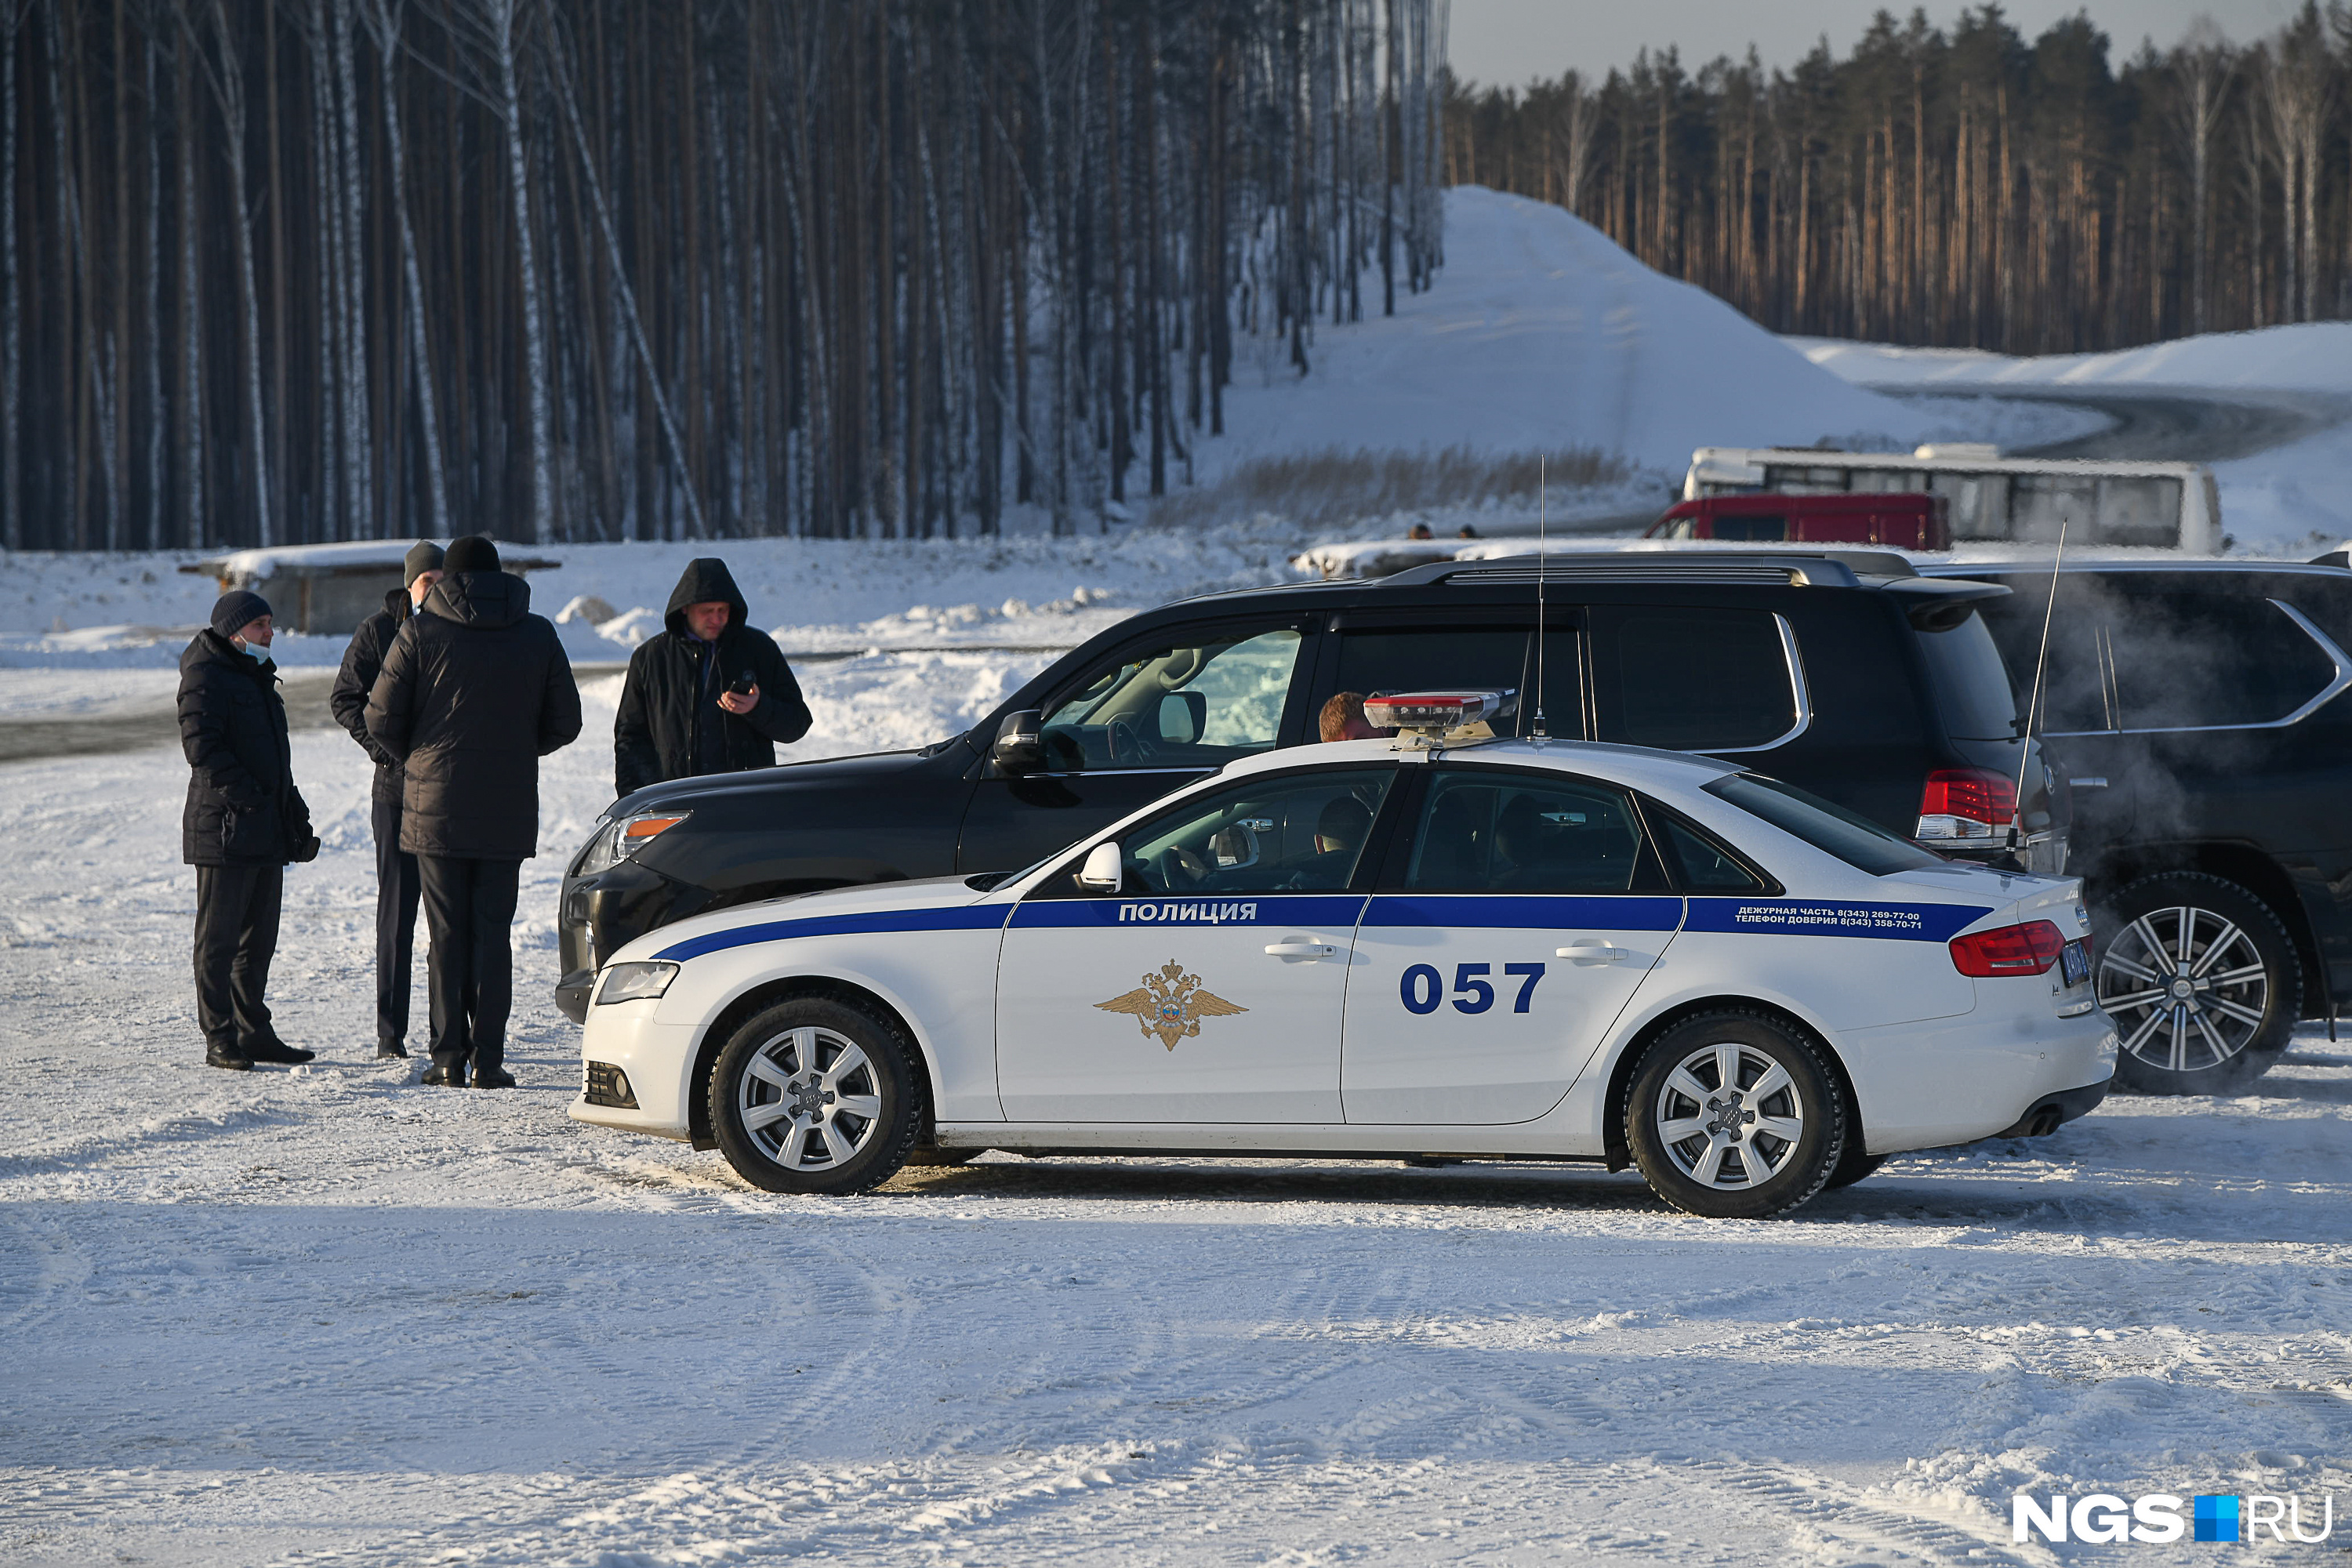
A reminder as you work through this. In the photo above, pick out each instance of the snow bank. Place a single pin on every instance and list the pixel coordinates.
(1542, 333)
(2314, 357)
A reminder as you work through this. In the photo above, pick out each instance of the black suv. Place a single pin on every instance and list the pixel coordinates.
(1844, 672)
(2199, 710)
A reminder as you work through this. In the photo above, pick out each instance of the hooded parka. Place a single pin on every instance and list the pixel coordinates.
(474, 690)
(670, 724)
(243, 808)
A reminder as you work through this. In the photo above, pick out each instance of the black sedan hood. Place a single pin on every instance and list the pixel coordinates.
(722, 789)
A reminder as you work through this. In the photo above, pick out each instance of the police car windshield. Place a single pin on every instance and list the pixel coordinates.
(1856, 841)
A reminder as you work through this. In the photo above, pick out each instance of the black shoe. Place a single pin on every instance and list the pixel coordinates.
(493, 1077)
(391, 1052)
(278, 1053)
(439, 1077)
(227, 1057)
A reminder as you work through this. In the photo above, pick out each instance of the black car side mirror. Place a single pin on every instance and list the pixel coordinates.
(1018, 748)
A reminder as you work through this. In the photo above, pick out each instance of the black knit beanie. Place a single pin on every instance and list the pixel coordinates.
(422, 556)
(237, 609)
(471, 553)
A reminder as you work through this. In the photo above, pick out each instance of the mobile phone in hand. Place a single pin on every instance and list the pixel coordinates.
(742, 685)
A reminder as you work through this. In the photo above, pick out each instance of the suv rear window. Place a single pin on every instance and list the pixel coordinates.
(2128, 656)
(1833, 829)
(1971, 681)
(1690, 680)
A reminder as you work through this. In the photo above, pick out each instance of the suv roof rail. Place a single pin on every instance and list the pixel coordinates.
(1776, 569)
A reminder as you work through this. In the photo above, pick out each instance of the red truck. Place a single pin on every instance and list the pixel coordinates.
(1903, 522)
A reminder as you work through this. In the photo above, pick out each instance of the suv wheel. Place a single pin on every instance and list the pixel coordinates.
(816, 1096)
(2202, 980)
(1735, 1116)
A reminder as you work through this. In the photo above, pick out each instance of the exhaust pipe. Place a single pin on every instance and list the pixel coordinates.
(2039, 1122)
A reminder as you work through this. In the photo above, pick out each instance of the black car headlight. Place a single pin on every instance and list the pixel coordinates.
(635, 982)
(622, 838)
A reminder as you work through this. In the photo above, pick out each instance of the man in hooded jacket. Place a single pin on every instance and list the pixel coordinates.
(710, 695)
(396, 887)
(474, 690)
(244, 821)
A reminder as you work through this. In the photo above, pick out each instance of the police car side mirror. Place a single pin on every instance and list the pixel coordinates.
(1018, 748)
(1100, 874)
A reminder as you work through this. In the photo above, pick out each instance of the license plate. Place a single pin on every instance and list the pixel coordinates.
(2074, 963)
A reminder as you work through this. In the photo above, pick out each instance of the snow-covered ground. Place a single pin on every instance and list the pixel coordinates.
(295, 1316)
(1542, 333)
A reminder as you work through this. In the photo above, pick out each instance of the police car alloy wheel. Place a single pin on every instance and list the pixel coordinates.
(1733, 1116)
(2202, 980)
(815, 1096)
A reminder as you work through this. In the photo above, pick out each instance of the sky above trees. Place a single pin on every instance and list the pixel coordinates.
(1510, 42)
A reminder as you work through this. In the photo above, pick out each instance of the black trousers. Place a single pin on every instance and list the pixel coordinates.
(469, 909)
(396, 890)
(237, 936)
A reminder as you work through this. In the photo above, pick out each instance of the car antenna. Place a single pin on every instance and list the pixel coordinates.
(1540, 737)
(2033, 701)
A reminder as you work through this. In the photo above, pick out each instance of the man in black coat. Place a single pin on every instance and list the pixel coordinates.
(244, 821)
(396, 868)
(710, 695)
(474, 690)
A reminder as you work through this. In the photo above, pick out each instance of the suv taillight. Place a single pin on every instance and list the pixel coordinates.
(1966, 805)
(2029, 949)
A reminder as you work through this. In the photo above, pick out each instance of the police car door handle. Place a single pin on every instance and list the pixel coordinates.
(1296, 948)
(1592, 949)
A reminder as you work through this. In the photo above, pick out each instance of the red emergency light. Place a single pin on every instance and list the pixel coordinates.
(1434, 712)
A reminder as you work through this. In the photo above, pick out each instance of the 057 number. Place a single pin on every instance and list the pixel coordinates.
(1423, 988)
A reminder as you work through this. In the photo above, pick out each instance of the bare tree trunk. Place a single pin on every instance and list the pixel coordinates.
(12, 469)
(227, 79)
(565, 98)
(499, 17)
(192, 341)
(384, 20)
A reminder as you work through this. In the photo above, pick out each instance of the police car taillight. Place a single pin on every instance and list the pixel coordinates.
(1966, 805)
(2027, 949)
(1430, 710)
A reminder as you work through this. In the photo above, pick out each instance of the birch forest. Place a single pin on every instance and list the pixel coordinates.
(282, 271)
(1964, 186)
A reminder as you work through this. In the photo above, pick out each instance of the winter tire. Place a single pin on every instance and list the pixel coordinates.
(2202, 982)
(817, 1096)
(1853, 1167)
(1735, 1116)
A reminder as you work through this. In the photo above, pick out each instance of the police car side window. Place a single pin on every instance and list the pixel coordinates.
(1195, 703)
(1303, 833)
(1701, 865)
(1485, 830)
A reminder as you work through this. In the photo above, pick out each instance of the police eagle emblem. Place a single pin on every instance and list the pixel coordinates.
(1170, 1004)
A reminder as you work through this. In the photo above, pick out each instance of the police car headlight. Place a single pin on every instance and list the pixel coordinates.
(622, 838)
(635, 982)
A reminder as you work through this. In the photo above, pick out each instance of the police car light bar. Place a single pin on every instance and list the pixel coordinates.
(1426, 715)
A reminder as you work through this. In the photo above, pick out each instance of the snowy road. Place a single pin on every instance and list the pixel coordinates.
(2186, 425)
(281, 1317)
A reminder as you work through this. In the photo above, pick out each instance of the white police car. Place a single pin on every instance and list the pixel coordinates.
(1376, 948)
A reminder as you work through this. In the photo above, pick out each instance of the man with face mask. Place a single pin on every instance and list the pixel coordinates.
(396, 868)
(244, 822)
